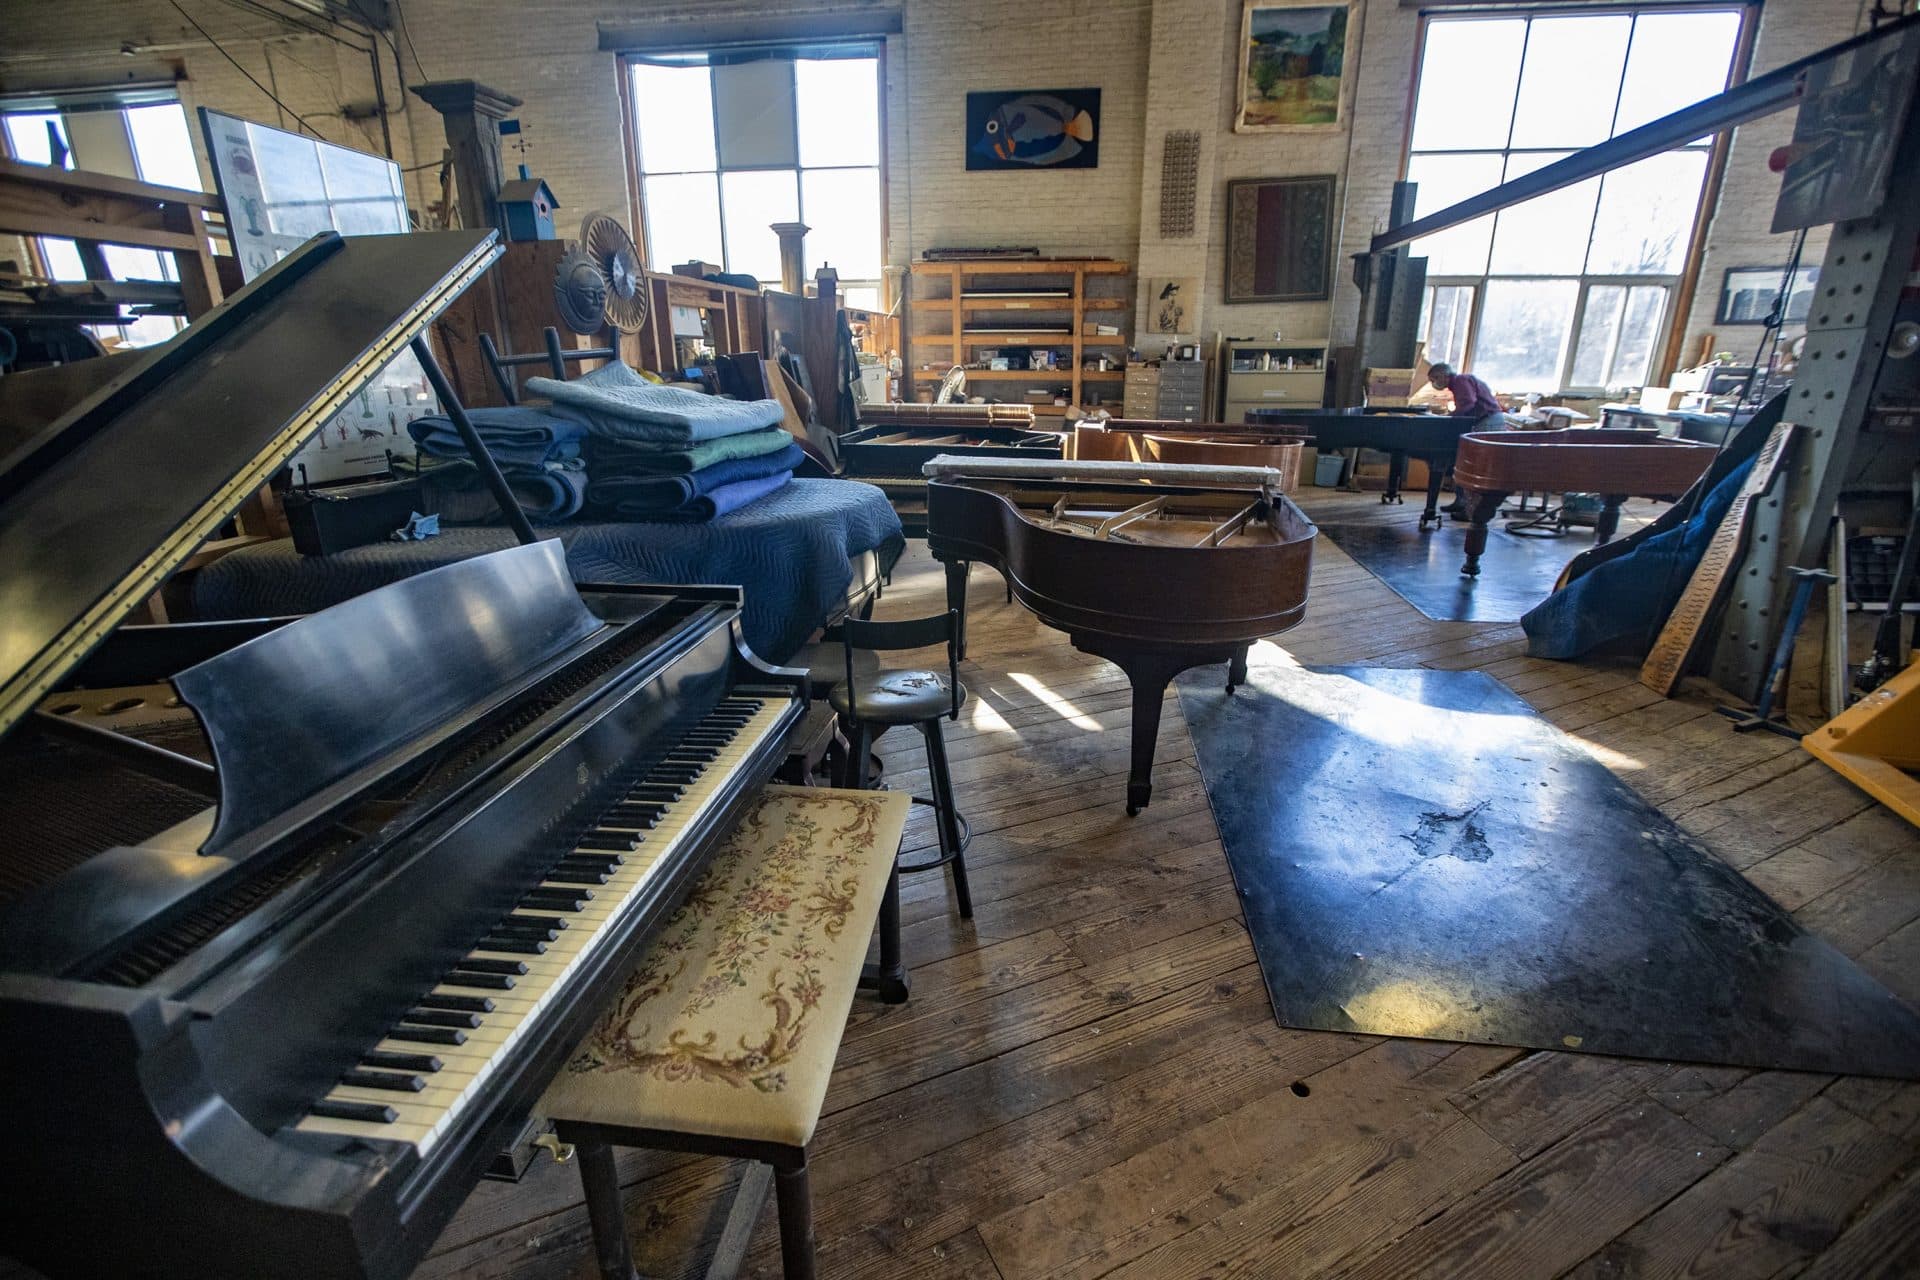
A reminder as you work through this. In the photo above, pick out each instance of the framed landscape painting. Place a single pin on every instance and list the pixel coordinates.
(1293, 60)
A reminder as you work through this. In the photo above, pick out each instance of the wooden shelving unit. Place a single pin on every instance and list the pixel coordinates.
(952, 316)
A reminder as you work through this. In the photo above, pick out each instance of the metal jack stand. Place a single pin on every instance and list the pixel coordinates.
(1779, 670)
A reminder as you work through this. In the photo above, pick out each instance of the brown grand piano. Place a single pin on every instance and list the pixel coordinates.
(1183, 443)
(1155, 578)
(1616, 464)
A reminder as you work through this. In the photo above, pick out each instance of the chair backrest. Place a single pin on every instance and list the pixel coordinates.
(911, 633)
(555, 357)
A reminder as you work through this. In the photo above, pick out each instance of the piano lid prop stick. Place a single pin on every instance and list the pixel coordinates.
(476, 447)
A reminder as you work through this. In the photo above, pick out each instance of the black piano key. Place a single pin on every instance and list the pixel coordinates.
(442, 1018)
(511, 928)
(366, 1112)
(400, 1061)
(518, 946)
(557, 899)
(693, 755)
(383, 1080)
(576, 875)
(604, 857)
(636, 809)
(479, 964)
(607, 841)
(527, 916)
(601, 861)
(479, 981)
(427, 1035)
(669, 772)
(458, 1004)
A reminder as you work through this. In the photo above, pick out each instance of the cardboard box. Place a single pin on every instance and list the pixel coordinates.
(1395, 388)
(1661, 399)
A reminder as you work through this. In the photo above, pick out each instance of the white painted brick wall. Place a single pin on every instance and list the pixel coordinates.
(1160, 65)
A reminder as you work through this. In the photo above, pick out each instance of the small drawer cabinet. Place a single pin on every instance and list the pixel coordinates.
(1168, 390)
(1265, 374)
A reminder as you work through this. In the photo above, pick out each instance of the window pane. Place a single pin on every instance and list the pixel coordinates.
(839, 111)
(1571, 81)
(683, 219)
(843, 208)
(63, 259)
(753, 201)
(1467, 79)
(753, 114)
(1449, 312)
(28, 139)
(1445, 181)
(1523, 331)
(863, 297)
(673, 114)
(1646, 215)
(1598, 329)
(162, 145)
(128, 263)
(1646, 308)
(1548, 234)
(1677, 59)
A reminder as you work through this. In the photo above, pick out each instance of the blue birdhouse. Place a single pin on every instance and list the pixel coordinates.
(526, 206)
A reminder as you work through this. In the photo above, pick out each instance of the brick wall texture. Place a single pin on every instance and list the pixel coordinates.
(1160, 64)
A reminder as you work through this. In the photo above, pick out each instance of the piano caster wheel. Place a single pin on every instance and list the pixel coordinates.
(1469, 570)
(1133, 811)
(562, 1151)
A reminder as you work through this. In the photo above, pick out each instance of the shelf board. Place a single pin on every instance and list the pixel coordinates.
(1010, 338)
(1021, 267)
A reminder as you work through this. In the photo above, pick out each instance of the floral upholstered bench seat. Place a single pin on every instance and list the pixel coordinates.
(723, 1039)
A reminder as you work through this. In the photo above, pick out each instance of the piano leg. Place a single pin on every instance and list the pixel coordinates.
(1608, 522)
(601, 1181)
(1237, 668)
(1435, 473)
(1396, 474)
(1149, 674)
(957, 599)
(1481, 509)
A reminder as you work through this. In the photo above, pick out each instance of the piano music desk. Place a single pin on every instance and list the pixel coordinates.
(723, 1040)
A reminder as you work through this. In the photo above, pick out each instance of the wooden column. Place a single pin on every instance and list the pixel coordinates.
(793, 259)
(472, 113)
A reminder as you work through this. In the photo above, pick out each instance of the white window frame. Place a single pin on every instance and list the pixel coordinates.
(1671, 282)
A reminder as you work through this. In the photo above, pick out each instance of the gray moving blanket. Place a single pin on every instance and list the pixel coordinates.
(792, 551)
(618, 404)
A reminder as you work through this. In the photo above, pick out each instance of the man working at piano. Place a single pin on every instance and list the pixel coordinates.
(1472, 398)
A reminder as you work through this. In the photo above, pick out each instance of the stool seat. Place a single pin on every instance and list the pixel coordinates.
(896, 697)
(730, 1026)
(825, 662)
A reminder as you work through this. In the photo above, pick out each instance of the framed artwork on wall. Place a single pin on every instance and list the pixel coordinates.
(1034, 129)
(1173, 304)
(1280, 239)
(1747, 293)
(1293, 60)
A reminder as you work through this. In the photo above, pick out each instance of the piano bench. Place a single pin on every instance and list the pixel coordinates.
(723, 1040)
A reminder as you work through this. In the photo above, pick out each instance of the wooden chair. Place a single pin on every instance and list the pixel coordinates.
(871, 702)
(722, 1041)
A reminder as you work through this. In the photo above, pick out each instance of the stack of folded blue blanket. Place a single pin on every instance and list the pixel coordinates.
(539, 453)
(615, 445)
(659, 452)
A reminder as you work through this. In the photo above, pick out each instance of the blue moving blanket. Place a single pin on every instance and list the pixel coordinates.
(792, 551)
(615, 402)
(516, 436)
(1621, 603)
(645, 497)
(454, 491)
(724, 500)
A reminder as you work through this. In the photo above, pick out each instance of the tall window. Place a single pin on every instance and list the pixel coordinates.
(1572, 290)
(143, 137)
(730, 144)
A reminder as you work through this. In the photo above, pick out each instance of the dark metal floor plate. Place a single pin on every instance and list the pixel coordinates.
(1419, 854)
(1517, 571)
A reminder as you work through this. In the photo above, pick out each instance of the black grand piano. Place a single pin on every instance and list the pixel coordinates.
(284, 965)
(1398, 433)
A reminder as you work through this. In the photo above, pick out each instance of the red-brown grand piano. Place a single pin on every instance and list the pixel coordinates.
(1614, 463)
(1156, 568)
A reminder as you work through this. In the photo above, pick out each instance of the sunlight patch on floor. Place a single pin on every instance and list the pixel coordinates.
(1054, 702)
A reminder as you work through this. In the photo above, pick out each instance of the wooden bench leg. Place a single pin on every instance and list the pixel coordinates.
(888, 979)
(604, 1214)
(796, 1217)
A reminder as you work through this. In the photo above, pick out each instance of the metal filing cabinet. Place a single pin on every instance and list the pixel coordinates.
(1141, 397)
(1183, 391)
(1258, 376)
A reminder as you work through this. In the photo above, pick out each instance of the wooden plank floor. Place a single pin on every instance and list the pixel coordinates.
(1089, 1081)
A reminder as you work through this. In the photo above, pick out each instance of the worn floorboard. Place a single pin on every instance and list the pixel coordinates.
(1089, 1081)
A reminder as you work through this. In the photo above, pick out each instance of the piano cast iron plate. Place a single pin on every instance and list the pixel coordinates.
(1517, 571)
(1419, 854)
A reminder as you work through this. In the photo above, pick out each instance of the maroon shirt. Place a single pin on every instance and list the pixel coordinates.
(1472, 398)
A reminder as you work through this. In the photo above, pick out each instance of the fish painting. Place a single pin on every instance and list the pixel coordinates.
(1033, 129)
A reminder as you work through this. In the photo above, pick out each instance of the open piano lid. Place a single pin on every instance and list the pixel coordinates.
(101, 506)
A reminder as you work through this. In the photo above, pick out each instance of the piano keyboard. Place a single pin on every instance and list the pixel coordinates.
(414, 1083)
